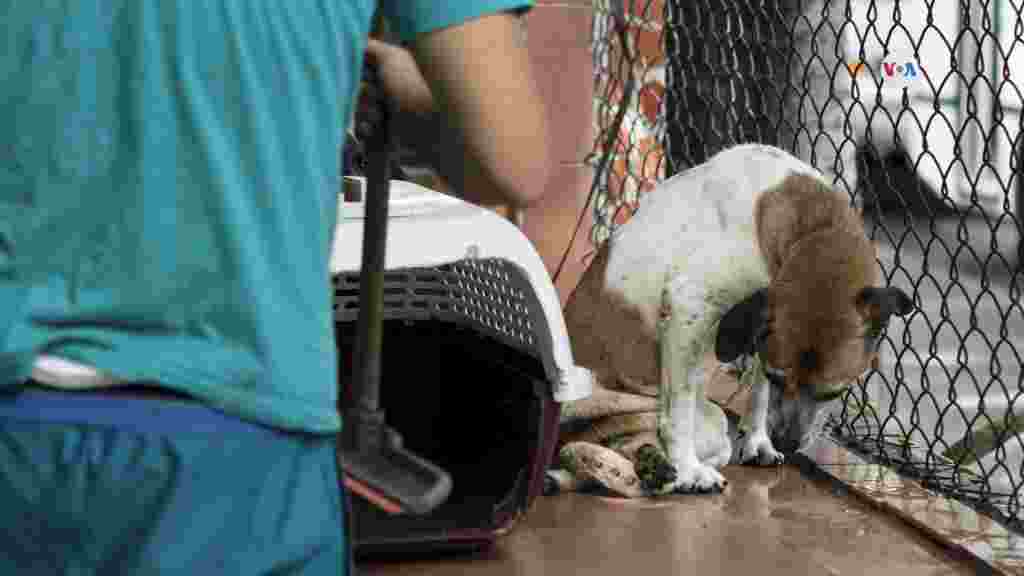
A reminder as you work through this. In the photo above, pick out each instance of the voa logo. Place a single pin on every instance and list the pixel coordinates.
(895, 71)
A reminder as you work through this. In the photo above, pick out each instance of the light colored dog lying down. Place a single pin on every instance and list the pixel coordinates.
(753, 257)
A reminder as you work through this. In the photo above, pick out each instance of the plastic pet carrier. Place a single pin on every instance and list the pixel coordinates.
(474, 362)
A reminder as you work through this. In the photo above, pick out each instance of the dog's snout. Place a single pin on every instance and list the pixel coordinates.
(798, 435)
(793, 441)
(786, 444)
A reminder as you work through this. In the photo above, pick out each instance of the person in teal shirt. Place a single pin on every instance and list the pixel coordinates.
(169, 173)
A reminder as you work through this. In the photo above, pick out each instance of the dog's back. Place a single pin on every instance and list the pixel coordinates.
(694, 222)
(695, 219)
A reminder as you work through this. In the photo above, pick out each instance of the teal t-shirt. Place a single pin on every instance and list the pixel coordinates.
(169, 172)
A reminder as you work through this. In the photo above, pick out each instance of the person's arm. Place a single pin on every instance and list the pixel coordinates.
(475, 104)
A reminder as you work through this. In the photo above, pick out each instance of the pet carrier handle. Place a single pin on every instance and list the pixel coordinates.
(374, 463)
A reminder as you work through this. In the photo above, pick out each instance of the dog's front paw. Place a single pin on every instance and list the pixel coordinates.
(758, 449)
(698, 478)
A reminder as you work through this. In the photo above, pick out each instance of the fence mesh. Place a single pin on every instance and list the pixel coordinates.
(914, 109)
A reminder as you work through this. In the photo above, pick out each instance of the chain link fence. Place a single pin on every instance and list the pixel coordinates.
(914, 109)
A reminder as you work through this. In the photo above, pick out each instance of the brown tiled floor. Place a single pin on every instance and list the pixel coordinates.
(768, 521)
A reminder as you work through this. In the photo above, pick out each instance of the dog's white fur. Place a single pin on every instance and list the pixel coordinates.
(688, 255)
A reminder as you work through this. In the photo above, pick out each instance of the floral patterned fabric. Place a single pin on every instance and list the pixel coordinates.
(638, 161)
(805, 117)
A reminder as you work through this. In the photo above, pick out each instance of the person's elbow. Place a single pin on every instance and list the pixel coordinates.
(482, 78)
(523, 176)
(520, 152)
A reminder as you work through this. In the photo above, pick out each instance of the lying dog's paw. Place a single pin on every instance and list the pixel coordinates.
(653, 468)
(589, 463)
(698, 478)
(554, 480)
(758, 449)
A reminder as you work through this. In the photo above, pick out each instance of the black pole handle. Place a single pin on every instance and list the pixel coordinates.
(369, 324)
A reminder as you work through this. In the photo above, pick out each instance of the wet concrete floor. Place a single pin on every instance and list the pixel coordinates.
(767, 521)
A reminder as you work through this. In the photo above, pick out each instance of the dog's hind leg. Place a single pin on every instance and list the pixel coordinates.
(604, 402)
(637, 386)
(681, 345)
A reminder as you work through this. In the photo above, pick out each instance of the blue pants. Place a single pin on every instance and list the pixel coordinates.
(95, 484)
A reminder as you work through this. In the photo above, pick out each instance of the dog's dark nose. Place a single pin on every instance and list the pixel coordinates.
(786, 444)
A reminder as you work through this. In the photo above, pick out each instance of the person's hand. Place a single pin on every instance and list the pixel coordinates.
(400, 78)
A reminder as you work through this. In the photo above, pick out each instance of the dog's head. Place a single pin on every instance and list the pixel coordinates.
(817, 328)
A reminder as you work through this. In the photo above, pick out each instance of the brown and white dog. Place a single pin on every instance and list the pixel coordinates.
(754, 258)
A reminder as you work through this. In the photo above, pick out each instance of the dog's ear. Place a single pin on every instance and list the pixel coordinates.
(741, 327)
(881, 303)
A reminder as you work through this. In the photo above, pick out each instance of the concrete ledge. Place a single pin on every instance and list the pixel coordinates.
(955, 526)
(973, 537)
